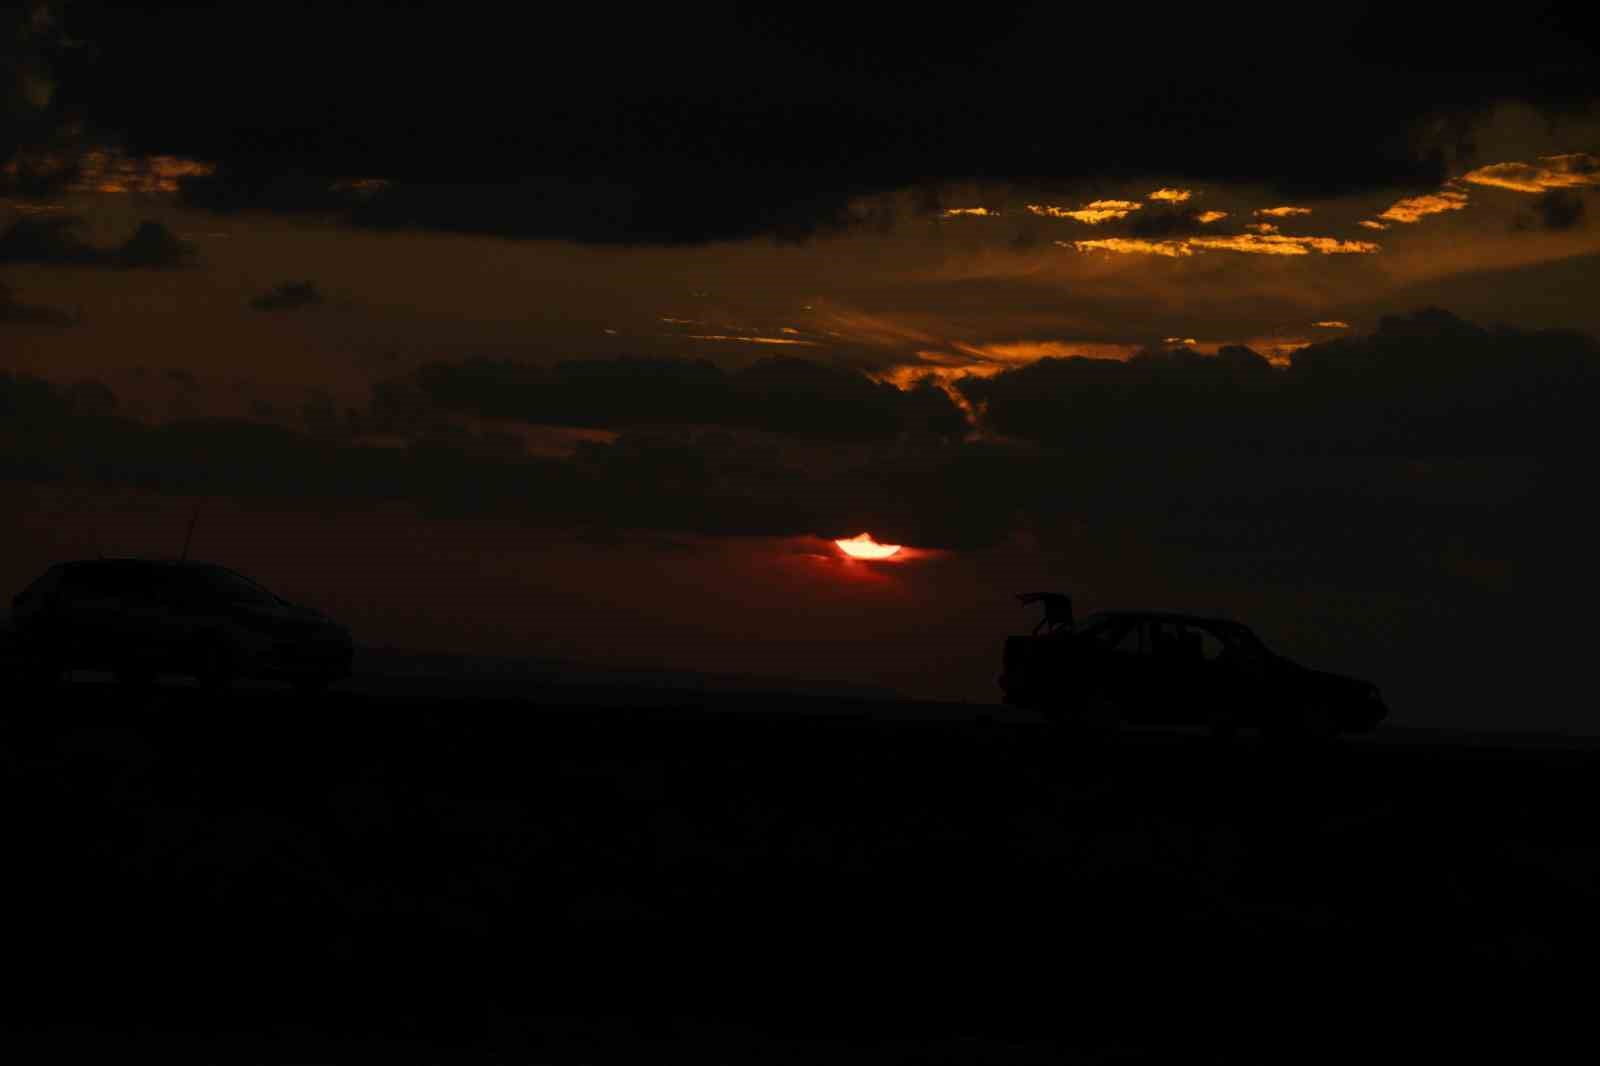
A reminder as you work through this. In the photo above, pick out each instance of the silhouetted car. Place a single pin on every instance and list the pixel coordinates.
(1171, 668)
(141, 618)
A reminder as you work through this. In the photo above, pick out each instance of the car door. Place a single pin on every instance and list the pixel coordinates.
(1241, 673)
(1170, 675)
(1126, 670)
(144, 625)
(1206, 686)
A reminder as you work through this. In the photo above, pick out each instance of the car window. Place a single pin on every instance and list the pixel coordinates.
(1210, 646)
(1132, 640)
(1241, 648)
(120, 581)
(217, 585)
(1100, 627)
(39, 587)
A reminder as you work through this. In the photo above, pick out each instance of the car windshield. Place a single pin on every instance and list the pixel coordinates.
(1100, 626)
(1238, 636)
(232, 587)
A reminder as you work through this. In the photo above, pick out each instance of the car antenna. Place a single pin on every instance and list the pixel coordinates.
(189, 536)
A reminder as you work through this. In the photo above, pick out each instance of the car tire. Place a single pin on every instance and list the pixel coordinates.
(312, 686)
(1310, 725)
(42, 671)
(136, 678)
(1223, 727)
(1317, 724)
(1098, 715)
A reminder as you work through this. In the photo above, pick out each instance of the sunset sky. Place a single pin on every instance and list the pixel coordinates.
(587, 336)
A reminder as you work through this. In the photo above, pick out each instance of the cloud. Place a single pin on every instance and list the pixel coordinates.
(153, 246)
(978, 212)
(1415, 208)
(776, 395)
(1558, 209)
(1371, 223)
(72, 166)
(53, 239)
(1282, 212)
(1331, 323)
(1465, 390)
(1172, 196)
(1261, 227)
(1166, 220)
(1093, 213)
(753, 339)
(15, 313)
(1249, 243)
(683, 208)
(1130, 246)
(702, 162)
(1572, 170)
(1376, 487)
(289, 296)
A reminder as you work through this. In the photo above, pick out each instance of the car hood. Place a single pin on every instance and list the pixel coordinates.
(1333, 680)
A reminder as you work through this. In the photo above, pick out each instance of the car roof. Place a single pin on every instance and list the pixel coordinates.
(1170, 616)
(108, 561)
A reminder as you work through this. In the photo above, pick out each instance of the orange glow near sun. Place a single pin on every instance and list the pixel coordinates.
(862, 546)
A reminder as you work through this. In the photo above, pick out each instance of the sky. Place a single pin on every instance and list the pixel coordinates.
(588, 337)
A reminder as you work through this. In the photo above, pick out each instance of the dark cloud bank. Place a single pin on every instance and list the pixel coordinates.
(1223, 452)
(55, 240)
(720, 121)
(289, 296)
(14, 312)
(1423, 493)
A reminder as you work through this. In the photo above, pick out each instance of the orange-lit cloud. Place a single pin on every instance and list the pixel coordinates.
(1278, 245)
(1372, 223)
(1416, 207)
(1187, 341)
(1249, 243)
(1282, 212)
(1093, 213)
(111, 171)
(1206, 217)
(1132, 246)
(953, 212)
(1018, 352)
(1568, 171)
(1172, 196)
(1261, 227)
(1332, 323)
(751, 339)
(361, 187)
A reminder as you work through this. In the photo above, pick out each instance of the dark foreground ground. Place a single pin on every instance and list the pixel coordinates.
(392, 874)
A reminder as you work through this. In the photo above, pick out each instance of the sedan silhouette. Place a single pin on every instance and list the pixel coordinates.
(141, 618)
(1173, 668)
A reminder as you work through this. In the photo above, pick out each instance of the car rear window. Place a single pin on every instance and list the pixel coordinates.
(112, 579)
(36, 588)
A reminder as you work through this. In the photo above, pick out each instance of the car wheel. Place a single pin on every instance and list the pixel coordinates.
(312, 686)
(1223, 727)
(1098, 714)
(41, 670)
(1311, 724)
(1317, 724)
(136, 678)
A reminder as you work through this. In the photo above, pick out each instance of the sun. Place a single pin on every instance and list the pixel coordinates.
(862, 546)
